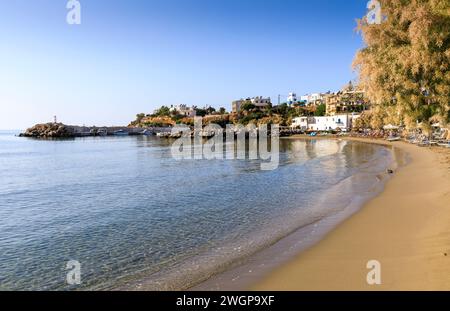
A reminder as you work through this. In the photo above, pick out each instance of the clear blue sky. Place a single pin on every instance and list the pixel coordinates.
(131, 56)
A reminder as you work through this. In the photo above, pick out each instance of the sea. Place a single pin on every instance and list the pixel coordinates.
(133, 217)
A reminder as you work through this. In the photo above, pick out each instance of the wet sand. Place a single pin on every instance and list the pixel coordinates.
(406, 228)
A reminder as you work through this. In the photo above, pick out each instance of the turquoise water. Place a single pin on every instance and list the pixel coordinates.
(126, 210)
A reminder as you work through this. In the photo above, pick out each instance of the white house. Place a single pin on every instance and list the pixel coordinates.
(342, 122)
(333, 123)
(184, 110)
(313, 99)
(292, 98)
(300, 123)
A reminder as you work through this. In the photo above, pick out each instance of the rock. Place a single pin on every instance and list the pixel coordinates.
(49, 130)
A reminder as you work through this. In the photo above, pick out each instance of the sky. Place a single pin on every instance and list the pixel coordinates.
(132, 56)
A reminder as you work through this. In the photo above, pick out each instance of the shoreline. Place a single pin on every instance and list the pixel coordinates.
(406, 228)
(252, 263)
(263, 262)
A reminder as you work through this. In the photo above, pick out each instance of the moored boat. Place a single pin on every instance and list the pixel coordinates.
(147, 132)
(444, 144)
(163, 134)
(102, 132)
(121, 133)
(393, 138)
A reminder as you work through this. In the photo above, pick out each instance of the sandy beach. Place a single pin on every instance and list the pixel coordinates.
(406, 229)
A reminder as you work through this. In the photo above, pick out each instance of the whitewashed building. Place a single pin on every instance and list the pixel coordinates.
(332, 123)
(300, 123)
(304, 98)
(184, 110)
(313, 99)
(292, 99)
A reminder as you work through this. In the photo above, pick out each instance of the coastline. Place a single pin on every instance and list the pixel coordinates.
(355, 194)
(406, 228)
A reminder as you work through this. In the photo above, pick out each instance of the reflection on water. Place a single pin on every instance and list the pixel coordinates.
(125, 209)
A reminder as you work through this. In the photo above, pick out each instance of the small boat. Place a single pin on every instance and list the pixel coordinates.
(121, 133)
(102, 133)
(147, 132)
(98, 132)
(444, 144)
(424, 143)
(393, 138)
(162, 134)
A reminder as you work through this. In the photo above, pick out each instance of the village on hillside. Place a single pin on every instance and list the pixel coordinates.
(328, 111)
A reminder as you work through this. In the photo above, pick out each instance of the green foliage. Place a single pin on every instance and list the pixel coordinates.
(139, 117)
(320, 110)
(204, 112)
(164, 111)
(282, 109)
(247, 106)
(153, 124)
(406, 61)
(201, 112)
(252, 116)
(286, 112)
(177, 117)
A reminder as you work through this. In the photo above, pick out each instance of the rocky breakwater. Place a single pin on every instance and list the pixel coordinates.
(49, 130)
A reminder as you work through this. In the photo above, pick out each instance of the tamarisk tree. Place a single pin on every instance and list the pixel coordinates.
(404, 65)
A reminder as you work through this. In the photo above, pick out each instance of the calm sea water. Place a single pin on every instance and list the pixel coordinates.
(126, 210)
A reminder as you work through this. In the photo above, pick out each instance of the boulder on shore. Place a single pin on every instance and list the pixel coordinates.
(49, 130)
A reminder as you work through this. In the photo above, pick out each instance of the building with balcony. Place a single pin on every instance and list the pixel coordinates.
(259, 102)
(314, 99)
(346, 102)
